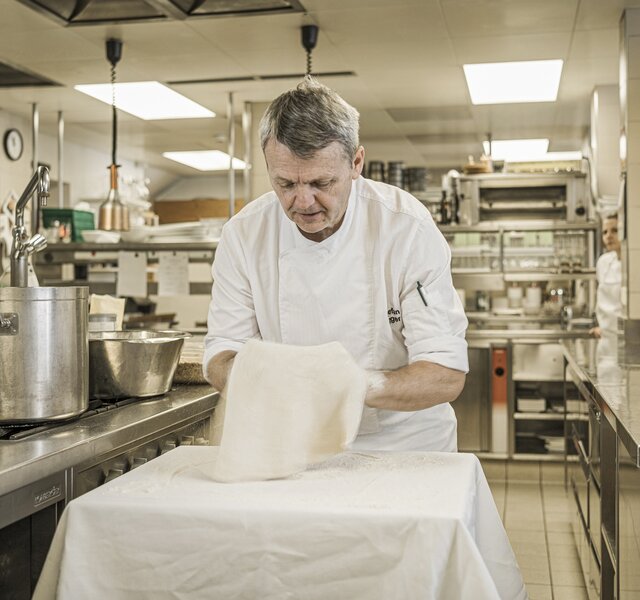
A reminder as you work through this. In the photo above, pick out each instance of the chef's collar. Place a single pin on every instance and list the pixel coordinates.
(334, 240)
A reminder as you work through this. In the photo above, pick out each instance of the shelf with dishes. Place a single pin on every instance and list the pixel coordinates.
(546, 248)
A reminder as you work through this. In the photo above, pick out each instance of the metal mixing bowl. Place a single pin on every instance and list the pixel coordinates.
(124, 364)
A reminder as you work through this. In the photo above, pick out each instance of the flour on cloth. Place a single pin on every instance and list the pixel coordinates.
(287, 407)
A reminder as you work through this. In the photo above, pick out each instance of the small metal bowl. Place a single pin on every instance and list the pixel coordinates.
(125, 364)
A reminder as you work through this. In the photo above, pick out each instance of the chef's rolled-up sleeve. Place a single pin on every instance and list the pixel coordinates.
(434, 323)
(231, 320)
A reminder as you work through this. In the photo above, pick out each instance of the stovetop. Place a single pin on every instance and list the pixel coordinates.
(14, 432)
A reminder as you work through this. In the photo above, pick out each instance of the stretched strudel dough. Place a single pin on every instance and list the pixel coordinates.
(287, 407)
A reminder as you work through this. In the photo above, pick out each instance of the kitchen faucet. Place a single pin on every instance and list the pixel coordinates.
(22, 247)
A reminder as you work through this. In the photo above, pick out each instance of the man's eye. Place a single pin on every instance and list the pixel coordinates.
(286, 186)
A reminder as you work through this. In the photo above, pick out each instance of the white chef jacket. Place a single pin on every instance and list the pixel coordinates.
(608, 301)
(608, 305)
(359, 286)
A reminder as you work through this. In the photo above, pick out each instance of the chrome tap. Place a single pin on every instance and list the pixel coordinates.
(22, 246)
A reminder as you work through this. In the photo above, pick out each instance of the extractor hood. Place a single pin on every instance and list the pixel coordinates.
(100, 12)
(12, 76)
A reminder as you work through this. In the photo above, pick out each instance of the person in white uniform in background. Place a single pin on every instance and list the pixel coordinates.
(331, 256)
(608, 300)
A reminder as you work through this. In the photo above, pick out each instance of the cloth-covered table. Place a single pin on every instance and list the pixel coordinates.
(358, 526)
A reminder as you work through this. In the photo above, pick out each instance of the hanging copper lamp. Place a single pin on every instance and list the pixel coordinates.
(114, 215)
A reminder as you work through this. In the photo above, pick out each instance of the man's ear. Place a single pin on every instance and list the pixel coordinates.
(358, 163)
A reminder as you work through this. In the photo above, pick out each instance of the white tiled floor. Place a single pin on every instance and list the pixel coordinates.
(536, 512)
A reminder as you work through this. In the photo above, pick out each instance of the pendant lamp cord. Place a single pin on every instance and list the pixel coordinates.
(114, 123)
(308, 62)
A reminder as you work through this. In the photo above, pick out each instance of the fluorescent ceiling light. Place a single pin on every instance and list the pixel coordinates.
(516, 149)
(148, 100)
(205, 160)
(502, 83)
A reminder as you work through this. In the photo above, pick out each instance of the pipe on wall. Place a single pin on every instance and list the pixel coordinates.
(35, 130)
(231, 143)
(60, 159)
(246, 134)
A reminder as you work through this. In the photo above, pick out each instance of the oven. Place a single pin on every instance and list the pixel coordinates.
(516, 197)
(105, 442)
(28, 519)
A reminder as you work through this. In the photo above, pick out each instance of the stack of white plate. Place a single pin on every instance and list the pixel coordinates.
(207, 230)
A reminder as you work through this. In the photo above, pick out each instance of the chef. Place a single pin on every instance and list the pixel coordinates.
(331, 256)
(608, 295)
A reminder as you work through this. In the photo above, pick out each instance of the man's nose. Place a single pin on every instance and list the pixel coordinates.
(304, 197)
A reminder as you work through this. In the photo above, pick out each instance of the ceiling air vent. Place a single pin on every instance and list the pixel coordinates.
(100, 12)
(11, 76)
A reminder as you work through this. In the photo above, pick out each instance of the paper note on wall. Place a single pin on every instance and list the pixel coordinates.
(173, 274)
(132, 274)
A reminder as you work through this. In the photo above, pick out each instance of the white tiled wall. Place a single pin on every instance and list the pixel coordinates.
(605, 138)
(631, 246)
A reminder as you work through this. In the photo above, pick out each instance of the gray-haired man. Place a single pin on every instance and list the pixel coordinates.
(331, 256)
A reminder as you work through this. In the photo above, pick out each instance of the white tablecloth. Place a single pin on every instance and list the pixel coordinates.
(359, 526)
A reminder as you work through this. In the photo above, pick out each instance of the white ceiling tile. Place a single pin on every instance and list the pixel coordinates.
(389, 25)
(147, 39)
(498, 17)
(18, 17)
(537, 46)
(601, 14)
(322, 6)
(579, 77)
(257, 33)
(55, 44)
(595, 43)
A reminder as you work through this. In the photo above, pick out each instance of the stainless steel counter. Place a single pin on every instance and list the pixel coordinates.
(25, 461)
(525, 335)
(616, 385)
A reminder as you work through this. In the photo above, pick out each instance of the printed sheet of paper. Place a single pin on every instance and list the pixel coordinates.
(132, 274)
(173, 274)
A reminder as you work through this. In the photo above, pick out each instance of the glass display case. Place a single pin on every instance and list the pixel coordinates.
(540, 248)
(529, 267)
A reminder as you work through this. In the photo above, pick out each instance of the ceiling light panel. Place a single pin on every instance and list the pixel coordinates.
(148, 100)
(205, 160)
(513, 82)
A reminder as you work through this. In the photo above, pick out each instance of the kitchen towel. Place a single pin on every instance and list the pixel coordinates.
(287, 407)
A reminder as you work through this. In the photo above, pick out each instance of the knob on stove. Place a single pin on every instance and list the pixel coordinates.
(138, 461)
(187, 440)
(168, 446)
(112, 474)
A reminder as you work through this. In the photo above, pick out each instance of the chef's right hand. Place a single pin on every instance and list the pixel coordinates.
(219, 368)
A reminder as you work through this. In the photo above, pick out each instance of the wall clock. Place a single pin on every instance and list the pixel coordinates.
(13, 144)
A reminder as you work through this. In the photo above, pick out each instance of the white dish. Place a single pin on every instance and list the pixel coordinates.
(99, 236)
(137, 234)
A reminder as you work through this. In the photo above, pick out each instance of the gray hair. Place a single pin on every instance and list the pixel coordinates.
(308, 118)
(609, 215)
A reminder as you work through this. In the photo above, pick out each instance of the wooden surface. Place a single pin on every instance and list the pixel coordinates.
(178, 211)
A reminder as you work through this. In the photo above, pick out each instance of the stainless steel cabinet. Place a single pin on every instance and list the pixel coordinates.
(473, 407)
(628, 525)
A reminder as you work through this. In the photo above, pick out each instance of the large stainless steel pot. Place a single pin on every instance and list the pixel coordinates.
(44, 353)
(126, 364)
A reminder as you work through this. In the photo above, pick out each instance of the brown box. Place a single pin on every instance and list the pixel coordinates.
(180, 211)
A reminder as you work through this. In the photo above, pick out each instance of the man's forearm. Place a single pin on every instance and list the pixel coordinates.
(417, 386)
(219, 368)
